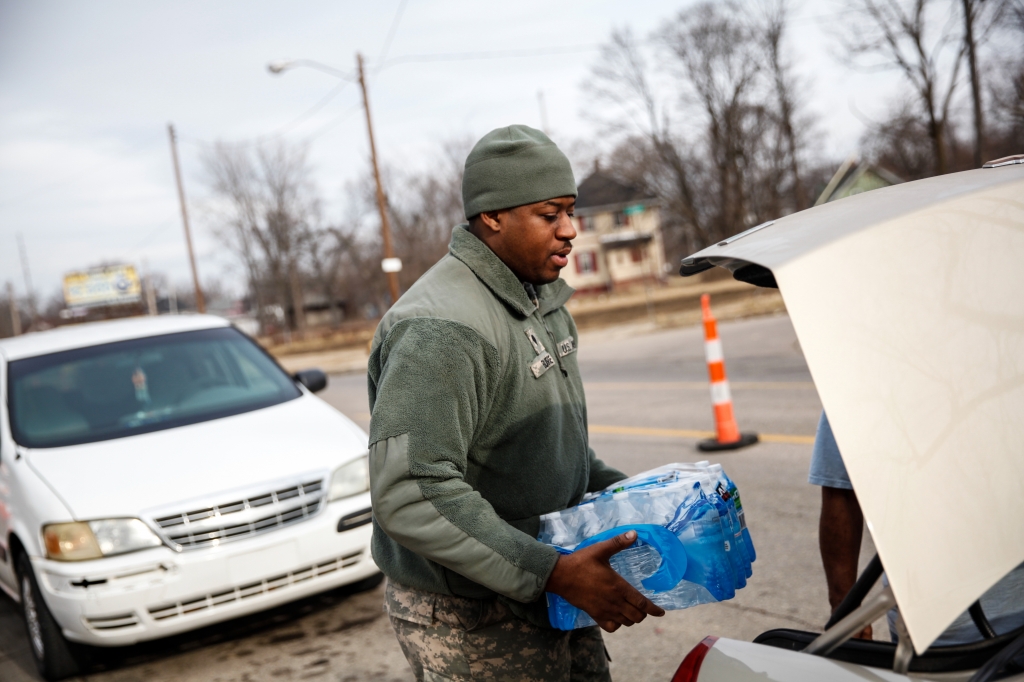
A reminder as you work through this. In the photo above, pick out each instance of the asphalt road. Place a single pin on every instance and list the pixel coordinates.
(649, 404)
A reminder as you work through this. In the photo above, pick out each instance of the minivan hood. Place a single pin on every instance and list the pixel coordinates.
(907, 302)
(125, 476)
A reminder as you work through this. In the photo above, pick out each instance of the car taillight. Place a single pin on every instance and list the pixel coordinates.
(690, 667)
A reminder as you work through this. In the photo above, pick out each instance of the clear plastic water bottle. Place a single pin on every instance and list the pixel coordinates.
(661, 507)
(617, 510)
(700, 531)
(560, 534)
(590, 524)
(734, 494)
(723, 488)
(736, 561)
(636, 563)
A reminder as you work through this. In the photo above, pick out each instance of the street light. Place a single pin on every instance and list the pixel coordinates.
(282, 65)
(389, 264)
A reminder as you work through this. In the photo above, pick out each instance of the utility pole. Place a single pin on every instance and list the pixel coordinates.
(200, 302)
(15, 315)
(389, 264)
(979, 132)
(27, 274)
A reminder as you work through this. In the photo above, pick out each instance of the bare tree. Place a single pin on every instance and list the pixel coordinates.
(430, 207)
(712, 125)
(716, 54)
(1006, 85)
(776, 14)
(423, 207)
(901, 143)
(923, 41)
(325, 252)
(650, 154)
(971, 8)
(267, 205)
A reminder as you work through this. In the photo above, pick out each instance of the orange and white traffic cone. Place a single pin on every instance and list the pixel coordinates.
(728, 436)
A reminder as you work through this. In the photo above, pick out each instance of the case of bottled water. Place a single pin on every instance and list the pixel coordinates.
(692, 546)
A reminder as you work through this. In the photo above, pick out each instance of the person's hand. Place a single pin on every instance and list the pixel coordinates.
(586, 580)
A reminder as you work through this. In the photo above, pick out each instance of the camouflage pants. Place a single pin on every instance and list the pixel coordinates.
(458, 639)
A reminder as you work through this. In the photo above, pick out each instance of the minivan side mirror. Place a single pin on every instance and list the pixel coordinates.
(313, 379)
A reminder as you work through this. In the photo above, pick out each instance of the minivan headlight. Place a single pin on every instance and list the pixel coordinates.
(83, 540)
(350, 479)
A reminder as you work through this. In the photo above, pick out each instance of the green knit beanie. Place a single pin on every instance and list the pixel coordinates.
(514, 166)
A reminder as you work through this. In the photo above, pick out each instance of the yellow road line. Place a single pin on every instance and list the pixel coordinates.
(670, 433)
(694, 385)
(687, 433)
(646, 431)
(786, 438)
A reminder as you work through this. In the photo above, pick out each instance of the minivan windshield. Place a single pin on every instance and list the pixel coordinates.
(131, 387)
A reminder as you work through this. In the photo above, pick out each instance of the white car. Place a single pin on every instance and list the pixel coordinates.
(907, 302)
(162, 474)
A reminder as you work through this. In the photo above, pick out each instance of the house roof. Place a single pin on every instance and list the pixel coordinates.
(855, 176)
(600, 189)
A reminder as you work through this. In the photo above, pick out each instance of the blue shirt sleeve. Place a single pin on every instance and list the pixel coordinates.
(827, 467)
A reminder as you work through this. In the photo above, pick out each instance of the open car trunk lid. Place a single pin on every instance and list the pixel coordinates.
(908, 303)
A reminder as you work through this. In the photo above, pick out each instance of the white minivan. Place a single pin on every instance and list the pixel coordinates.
(161, 474)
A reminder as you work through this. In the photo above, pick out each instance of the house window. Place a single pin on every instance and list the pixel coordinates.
(586, 262)
(621, 219)
(636, 254)
(582, 223)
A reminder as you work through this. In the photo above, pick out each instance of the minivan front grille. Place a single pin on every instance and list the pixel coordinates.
(256, 589)
(240, 518)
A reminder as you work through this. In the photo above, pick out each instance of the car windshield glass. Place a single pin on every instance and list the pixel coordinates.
(131, 387)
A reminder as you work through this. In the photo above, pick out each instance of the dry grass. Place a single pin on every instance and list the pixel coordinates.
(675, 305)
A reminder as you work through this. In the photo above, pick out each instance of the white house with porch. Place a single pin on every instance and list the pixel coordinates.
(618, 239)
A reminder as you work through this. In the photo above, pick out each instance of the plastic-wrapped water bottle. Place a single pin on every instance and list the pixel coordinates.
(665, 575)
(708, 565)
(722, 489)
(737, 560)
(690, 516)
(734, 497)
(636, 563)
(590, 524)
(560, 534)
(660, 506)
(617, 510)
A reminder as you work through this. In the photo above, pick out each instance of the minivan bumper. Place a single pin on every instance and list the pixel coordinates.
(146, 595)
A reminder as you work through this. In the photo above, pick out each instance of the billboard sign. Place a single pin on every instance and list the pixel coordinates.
(112, 285)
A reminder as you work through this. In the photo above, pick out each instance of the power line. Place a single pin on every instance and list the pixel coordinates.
(404, 59)
(149, 237)
(392, 31)
(332, 124)
(281, 131)
(494, 54)
(334, 92)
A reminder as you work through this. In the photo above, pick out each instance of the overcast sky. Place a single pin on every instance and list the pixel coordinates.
(87, 90)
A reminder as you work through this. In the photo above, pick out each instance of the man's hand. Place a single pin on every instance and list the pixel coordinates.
(586, 580)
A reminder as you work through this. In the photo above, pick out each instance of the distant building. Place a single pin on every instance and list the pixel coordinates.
(854, 177)
(618, 236)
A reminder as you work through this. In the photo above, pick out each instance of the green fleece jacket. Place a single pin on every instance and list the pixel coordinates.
(478, 426)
